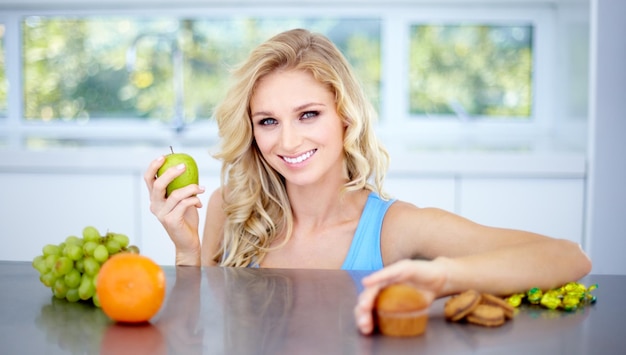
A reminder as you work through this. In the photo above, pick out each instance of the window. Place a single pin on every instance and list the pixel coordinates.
(471, 70)
(158, 69)
(98, 76)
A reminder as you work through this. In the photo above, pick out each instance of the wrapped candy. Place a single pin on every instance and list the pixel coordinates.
(516, 299)
(567, 297)
(551, 299)
(534, 295)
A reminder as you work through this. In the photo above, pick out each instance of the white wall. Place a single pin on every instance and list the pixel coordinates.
(606, 188)
(32, 208)
(50, 195)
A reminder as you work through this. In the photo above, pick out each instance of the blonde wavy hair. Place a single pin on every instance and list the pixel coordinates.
(255, 199)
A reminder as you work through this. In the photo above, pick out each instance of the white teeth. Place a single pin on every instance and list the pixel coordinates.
(300, 158)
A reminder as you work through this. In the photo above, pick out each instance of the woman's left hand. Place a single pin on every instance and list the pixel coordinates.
(427, 276)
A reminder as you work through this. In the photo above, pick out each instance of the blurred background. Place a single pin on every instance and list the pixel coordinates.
(503, 111)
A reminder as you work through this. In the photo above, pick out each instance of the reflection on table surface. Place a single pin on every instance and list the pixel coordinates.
(275, 311)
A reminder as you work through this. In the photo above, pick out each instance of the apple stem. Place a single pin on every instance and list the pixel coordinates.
(171, 149)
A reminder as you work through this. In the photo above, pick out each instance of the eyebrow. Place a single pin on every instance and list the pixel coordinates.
(295, 109)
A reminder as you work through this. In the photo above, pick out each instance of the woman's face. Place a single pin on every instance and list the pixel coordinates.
(297, 128)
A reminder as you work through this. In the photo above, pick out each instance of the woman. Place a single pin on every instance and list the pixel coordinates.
(303, 188)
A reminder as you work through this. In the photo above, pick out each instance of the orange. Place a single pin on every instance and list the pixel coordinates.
(130, 288)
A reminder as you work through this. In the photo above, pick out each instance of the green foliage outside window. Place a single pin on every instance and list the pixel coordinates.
(77, 68)
(471, 70)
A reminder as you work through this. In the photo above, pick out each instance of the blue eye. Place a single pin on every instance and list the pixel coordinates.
(310, 114)
(267, 121)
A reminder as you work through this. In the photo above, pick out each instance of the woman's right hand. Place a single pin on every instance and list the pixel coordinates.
(178, 213)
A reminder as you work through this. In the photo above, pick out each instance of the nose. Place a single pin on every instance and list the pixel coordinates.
(290, 137)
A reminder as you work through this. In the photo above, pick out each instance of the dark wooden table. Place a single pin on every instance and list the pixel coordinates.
(270, 311)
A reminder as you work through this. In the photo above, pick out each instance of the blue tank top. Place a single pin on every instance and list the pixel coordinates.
(365, 253)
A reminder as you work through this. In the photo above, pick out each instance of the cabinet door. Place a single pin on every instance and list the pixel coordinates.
(423, 192)
(553, 207)
(39, 209)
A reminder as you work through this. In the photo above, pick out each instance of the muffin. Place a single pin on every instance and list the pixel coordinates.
(401, 310)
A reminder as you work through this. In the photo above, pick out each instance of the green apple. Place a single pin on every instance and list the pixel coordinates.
(190, 176)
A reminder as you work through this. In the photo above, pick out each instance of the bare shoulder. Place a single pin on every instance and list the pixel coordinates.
(215, 199)
(403, 232)
(405, 216)
(213, 227)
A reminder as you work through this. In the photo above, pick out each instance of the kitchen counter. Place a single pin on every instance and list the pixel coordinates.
(217, 310)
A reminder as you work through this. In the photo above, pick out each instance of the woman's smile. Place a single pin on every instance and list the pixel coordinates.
(300, 158)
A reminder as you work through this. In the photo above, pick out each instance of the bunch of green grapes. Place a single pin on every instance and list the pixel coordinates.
(70, 268)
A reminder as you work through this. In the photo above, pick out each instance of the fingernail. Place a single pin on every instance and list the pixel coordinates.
(180, 166)
(160, 158)
(362, 320)
(201, 188)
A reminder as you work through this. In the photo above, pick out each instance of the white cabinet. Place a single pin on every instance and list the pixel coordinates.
(423, 192)
(549, 206)
(48, 196)
(42, 208)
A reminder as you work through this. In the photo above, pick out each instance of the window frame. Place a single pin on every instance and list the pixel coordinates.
(395, 126)
(540, 121)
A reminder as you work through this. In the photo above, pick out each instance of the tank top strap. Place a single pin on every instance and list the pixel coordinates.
(365, 252)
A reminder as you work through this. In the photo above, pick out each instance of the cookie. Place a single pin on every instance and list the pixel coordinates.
(457, 307)
(486, 315)
(489, 299)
